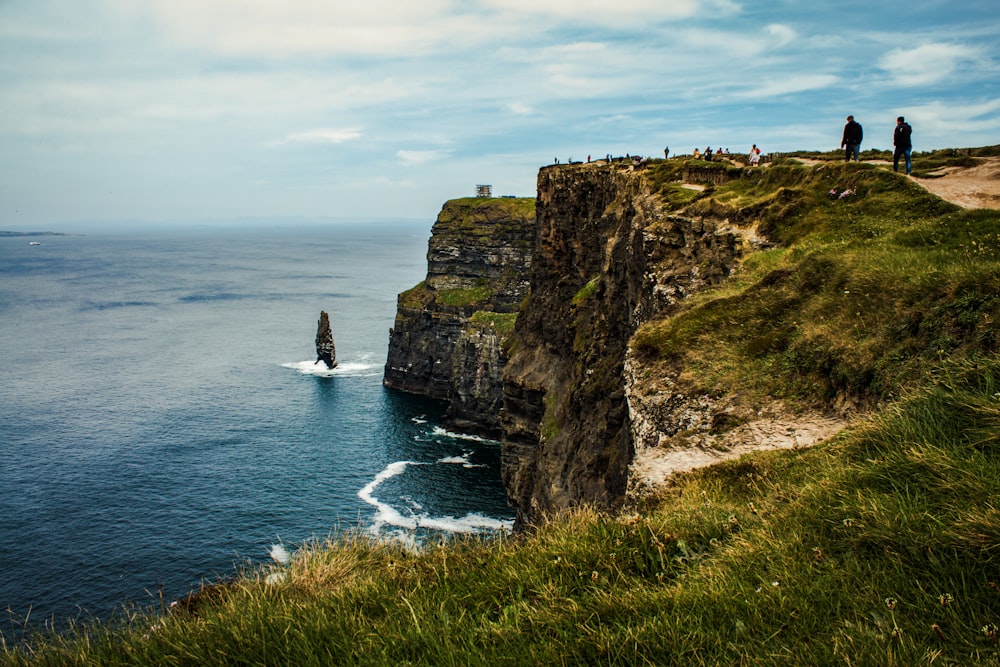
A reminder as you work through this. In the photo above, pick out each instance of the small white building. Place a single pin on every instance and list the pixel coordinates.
(484, 190)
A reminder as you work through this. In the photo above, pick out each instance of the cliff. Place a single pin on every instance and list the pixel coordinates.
(609, 255)
(599, 252)
(625, 357)
(447, 338)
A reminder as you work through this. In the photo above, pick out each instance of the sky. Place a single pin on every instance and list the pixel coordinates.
(138, 111)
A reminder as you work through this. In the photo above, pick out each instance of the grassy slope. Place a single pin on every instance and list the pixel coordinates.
(881, 547)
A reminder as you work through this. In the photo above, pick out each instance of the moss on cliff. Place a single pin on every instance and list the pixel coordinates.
(487, 217)
(458, 297)
(875, 281)
(499, 323)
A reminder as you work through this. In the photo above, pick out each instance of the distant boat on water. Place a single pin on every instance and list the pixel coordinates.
(34, 243)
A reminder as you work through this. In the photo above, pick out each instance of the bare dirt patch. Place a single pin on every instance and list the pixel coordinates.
(653, 467)
(969, 187)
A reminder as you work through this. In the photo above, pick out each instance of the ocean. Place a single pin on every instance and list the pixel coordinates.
(163, 423)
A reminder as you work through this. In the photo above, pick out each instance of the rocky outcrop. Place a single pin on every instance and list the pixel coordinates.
(447, 338)
(326, 351)
(608, 256)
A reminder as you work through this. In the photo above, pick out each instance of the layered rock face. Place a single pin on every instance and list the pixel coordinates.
(594, 256)
(326, 350)
(607, 258)
(446, 341)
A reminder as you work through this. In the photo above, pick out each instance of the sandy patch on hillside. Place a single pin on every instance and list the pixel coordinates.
(969, 187)
(652, 467)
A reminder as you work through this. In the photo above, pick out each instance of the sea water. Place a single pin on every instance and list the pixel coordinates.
(163, 422)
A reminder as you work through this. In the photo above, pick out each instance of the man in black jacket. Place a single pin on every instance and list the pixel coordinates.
(852, 139)
(901, 140)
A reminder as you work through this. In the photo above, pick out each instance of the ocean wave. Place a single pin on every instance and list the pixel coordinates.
(343, 368)
(445, 433)
(462, 460)
(388, 516)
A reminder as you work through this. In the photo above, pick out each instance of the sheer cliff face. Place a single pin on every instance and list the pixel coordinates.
(607, 257)
(581, 267)
(446, 339)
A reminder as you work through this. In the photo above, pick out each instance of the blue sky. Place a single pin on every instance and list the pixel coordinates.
(198, 110)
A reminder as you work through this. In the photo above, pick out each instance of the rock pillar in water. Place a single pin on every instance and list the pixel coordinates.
(325, 349)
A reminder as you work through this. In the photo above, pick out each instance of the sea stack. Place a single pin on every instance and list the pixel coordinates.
(325, 349)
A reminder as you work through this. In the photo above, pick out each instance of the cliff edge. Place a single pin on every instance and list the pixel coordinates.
(609, 255)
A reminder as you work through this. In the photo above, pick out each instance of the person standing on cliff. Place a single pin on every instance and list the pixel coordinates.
(903, 144)
(851, 141)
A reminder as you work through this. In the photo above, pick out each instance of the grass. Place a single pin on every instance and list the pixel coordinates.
(865, 293)
(879, 547)
(459, 296)
(500, 323)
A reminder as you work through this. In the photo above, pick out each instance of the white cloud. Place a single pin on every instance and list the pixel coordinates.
(386, 28)
(928, 63)
(788, 85)
(613, 14)
(323, 136)
(412, 158)
(519, 109)
(942, 120)
(780, 35)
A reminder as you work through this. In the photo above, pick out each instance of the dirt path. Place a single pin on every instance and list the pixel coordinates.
(969, 187)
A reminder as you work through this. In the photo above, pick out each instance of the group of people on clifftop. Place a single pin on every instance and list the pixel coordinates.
(901, 142)
(753, 157)
(850, 141)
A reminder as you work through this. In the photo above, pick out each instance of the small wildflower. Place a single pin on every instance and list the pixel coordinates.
(848, 522)
(733, 520)
(890, 602)
(945, 599)
(991, 631)
(775, 583)
(594, 576)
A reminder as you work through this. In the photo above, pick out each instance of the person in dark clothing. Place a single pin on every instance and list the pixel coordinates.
(904, 146)
(851, 140)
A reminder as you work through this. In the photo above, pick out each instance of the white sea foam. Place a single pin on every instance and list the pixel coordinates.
(462, 460)
(387, 515)
(445, 433)
(280, 554)
(361, 368)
